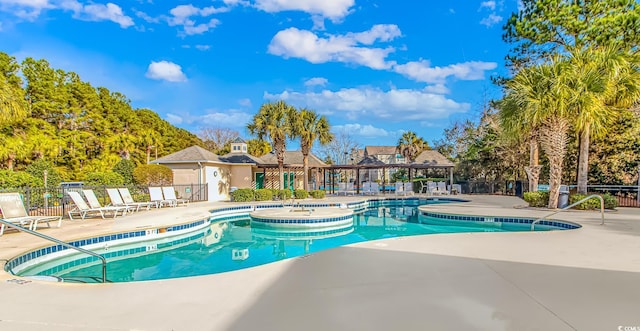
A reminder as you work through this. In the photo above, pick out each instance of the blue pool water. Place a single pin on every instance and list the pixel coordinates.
(233, 244)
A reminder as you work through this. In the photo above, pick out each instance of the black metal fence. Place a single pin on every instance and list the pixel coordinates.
(55, 202)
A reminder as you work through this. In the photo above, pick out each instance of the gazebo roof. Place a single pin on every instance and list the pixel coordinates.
(432, 159)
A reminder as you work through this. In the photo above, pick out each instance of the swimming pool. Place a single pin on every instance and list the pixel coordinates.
(229, 242)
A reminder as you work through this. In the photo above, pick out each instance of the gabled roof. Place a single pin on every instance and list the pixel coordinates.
(190, 154)
(240, 158)
(238, 140)
(293, 158)
(380, 150)
(432, 158)
(371, 161)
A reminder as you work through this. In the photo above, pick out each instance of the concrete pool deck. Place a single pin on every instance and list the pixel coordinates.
(583, 279)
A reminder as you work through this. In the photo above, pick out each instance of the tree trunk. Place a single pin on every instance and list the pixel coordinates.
(583, 160)
(148, 154)
(305, 162)
(10, 160)
(533, 170)
(553, 139)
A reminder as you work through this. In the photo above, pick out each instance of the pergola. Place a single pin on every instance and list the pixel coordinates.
(429, 159)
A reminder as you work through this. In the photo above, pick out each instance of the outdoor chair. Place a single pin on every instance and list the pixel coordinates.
(408, 188)
(170, 194)
(156, 196)
(399, 188)
(82, 209)
(92, 199)
(128, 199)
(117, 201)
(13, 211)
(442, 188)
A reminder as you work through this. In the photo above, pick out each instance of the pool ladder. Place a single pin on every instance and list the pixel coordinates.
(573, 205)
(60, 242)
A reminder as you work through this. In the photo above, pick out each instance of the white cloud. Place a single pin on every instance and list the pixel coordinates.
(108, 12)
(331, 9)
(31, 9)
(422, 71)
(367, 131)
(347, 48)
(316, 81)
(437, 89)
(203, 47)
(165, 70)
(367, 102)
(491, 5)
(491, 20)
(244, 102)
(182, 16)
(174, 119)
(231, 118)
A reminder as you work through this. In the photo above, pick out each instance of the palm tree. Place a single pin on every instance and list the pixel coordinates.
(537, 97)
(12, 103)
(515, 128)
(309, 127)
(123, 144)
(603, 82)
(12, 149)
(149, 139)
(273, 121)
(410, 145)
(257, 147)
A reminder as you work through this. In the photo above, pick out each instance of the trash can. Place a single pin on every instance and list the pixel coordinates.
(563, 197)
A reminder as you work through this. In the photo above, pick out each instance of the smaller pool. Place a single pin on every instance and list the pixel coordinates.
(230, 243)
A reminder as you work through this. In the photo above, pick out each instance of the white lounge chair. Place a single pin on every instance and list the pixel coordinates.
(442, 188)
(117, 201)
(13, 211)
(126, 197)
(399, 188)
(366, 188)
(156, 196)
(94, 203)
(82, 209)
(342, 188)
(375, 188)
(170, 194)
(408, 188)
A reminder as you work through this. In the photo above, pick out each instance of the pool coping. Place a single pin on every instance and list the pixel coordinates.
(224, 301)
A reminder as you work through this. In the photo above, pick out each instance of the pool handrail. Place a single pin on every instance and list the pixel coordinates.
(60, 242)
(573, 205)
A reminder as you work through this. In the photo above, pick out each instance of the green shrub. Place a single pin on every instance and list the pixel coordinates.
(18, 179)
(537, 199)
(243, 195)
(586, 205)
(37, 168)
(318, 194)
(274, 193)
(610, 201)
(125, 169)
(263, 194)
(153, 175)
(284, 194)
(301, 194)
(108, 178)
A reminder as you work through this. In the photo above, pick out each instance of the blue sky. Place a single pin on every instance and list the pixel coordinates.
(376, 68)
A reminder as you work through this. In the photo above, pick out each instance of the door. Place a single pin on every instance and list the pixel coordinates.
(259, 180)
(289, 180)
